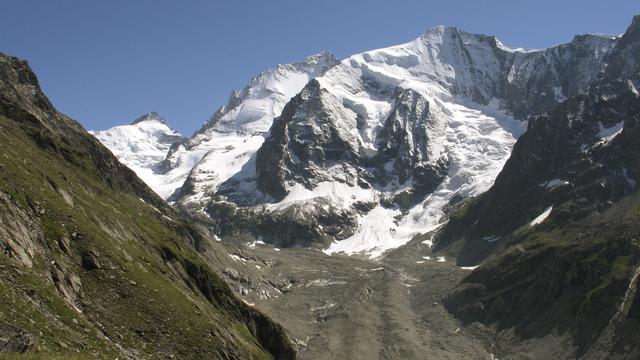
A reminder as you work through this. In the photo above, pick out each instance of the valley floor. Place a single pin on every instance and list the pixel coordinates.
(337, 307)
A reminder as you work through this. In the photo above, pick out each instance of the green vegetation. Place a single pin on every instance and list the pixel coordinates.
(133, 300)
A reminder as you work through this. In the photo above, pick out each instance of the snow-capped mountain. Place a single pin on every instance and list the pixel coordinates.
(235, 132)
(377, 149)
(361, 155)
(142, 146)
(253, 109)
(197, 165)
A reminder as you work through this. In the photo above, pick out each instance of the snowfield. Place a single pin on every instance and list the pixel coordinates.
(475, 139)
(142, 146)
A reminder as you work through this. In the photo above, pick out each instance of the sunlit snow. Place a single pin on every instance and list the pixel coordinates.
(542, 217)
(608, 134)
(475, 139)
(142, 146)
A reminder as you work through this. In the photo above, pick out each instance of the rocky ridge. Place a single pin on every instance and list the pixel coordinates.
(557, 233)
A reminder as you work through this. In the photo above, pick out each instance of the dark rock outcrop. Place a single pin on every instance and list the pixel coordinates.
(575, 274)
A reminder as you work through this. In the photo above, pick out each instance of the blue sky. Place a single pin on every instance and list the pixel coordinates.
(107, 62)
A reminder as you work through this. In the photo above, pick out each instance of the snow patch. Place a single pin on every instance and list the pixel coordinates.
(554, 183)
(469, 267)
(428, 242)
(542, 217)
(607, 134)
(376, 233)
(341, 195)
(253, 244)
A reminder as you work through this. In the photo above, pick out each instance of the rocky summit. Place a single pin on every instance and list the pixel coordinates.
(447, 198)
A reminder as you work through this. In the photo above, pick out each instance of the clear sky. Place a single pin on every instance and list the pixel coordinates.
(107, 62)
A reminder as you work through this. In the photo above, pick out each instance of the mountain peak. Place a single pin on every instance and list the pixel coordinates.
(440, 30)
(454, 36)
(152, 116)
(267, 93)
(322, 56)
(317, 63)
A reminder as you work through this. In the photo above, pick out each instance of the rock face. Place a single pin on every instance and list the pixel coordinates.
(93, 261)
(557, 232)
(20, 235)
(580, 152)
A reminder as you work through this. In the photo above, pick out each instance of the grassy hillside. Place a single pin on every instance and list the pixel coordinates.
(93, 263)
